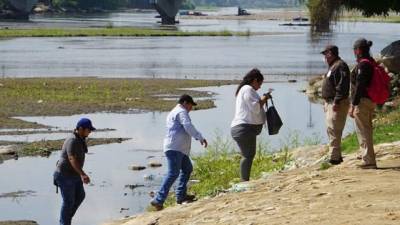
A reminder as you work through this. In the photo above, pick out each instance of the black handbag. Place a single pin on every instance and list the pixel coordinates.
(274, 121)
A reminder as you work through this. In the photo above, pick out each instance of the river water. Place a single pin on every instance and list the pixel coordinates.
(285, 51)
(291, 54)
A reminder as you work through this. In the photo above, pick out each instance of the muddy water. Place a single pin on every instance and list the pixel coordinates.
(108, 164)
(289, 50)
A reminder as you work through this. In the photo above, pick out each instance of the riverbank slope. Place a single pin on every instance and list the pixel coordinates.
(310, 195)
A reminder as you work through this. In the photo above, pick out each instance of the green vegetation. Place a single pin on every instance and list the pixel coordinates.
(90, 4)
(2, 4)
(110, 4)
(11, 123)
(67, 96)
(188, 4)
(391, 18)
(218, 168)
(46, 147)
(109, 31)
(322, 12)
(325, 166)
(247, 3)
(386, 129)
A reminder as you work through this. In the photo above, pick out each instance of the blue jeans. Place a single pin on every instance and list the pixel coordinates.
(73, 194)
(179, 165)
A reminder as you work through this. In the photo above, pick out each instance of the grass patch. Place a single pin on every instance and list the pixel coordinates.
(45, 131)
(372, 19)
(46, 147)
(218, 168)
(109, 31)
(325, 166)
(386, 129)
(11, 123)
(68, 96)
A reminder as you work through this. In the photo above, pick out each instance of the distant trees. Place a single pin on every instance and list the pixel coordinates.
(90, 4)
(2, 4)
(247, 3)
(323, 12)
(109, 4)
(188, 4)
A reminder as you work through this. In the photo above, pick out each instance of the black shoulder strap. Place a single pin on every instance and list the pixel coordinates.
(272, 101)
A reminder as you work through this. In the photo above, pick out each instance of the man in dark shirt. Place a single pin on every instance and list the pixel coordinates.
(69, 175)
(335, 92)
(362, 109)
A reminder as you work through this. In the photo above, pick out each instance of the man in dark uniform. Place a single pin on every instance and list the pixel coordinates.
(335, 92)
(69, 175)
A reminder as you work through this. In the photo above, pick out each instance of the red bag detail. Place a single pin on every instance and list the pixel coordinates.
(379, 88)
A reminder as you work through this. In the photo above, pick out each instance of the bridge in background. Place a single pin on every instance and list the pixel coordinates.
(166, 8)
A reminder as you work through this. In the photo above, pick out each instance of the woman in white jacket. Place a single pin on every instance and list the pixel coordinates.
(249, 119)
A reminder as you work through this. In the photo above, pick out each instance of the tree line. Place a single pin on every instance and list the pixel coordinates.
(247, 3)
(323, 12)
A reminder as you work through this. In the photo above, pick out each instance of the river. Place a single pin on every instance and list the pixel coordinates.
(285, 51)
(291, 54)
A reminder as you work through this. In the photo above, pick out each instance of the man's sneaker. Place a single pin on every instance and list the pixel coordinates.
(336, 162)
(156, 205)
(187, 199)
(367, 166)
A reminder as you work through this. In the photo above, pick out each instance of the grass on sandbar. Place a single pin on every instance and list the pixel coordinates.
(112, 32)
(46, 147)
(68, 96)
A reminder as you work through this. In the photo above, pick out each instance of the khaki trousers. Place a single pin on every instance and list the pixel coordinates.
(335, 122)
(363, 115)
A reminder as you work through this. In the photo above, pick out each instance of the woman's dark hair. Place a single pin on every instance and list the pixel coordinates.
(252, 75)
(365, 46)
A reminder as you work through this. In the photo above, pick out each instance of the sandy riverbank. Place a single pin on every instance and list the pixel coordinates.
(308, 195)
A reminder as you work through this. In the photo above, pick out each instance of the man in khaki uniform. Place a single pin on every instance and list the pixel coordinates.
(335, 92)
(362, 107)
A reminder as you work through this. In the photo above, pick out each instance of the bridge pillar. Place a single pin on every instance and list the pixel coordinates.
(167, 10)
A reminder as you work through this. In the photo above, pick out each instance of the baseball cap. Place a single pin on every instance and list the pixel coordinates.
(186, 98)
(85, 123)
(331, 48)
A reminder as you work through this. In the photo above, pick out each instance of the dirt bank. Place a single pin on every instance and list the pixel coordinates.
(307, 195)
